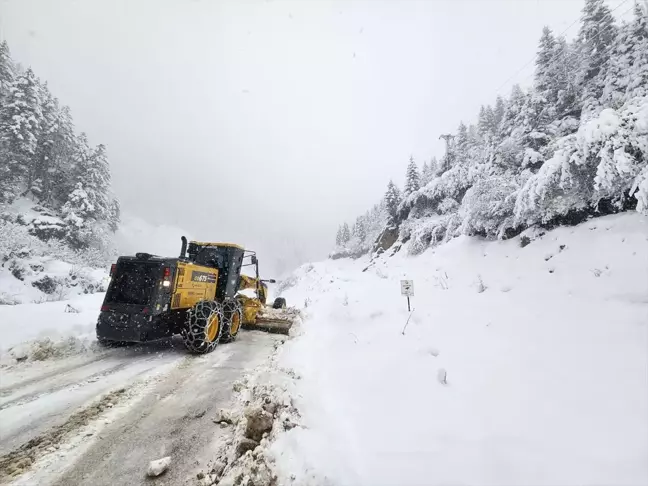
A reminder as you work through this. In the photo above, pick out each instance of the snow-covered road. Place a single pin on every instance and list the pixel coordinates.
(100, 418)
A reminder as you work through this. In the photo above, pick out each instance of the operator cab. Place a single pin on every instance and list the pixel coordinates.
(227, 258)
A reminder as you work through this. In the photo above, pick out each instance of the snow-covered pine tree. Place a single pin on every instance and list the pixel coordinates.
(498, 114)
(425, 170)
(361, 229)
(434, 168)
(6, 80)
(638, 85)
(626, 76)
(392, 199)
(90, 206)
(44, 153)
(21, 119)
(61, 177)
(346, 233)
(6, 70)
(486, 122)
(461, 142)
(513, 111)
(114, 215)
(544, 76)
(595, 39)
(412, 178)
(96, 182)
(338, 237)
(566, 89)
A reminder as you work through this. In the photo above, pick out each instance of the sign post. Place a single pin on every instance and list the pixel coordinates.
(407, 289)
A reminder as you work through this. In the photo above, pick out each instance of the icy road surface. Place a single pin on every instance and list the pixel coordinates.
(99, 419)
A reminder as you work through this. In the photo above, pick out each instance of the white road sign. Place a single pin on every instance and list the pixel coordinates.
(407, 287)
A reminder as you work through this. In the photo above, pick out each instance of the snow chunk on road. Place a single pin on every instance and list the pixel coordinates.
(158, 467)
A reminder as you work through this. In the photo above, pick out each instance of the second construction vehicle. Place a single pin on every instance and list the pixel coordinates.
(201, 295)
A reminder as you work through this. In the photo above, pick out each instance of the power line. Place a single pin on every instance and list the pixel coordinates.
(551, 59)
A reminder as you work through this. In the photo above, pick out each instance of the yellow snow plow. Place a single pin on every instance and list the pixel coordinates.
(201, 295)
(256, 313)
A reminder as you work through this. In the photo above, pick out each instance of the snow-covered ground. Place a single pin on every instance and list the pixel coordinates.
(57, 321)
(544, 349)
(520, 365)
(72, 412)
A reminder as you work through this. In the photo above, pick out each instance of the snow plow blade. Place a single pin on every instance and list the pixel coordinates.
(276, 321)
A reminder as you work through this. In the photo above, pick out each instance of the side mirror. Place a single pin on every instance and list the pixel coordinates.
(254, 260)
(272, 280)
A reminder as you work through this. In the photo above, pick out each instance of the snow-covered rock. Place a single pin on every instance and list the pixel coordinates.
(158, 467)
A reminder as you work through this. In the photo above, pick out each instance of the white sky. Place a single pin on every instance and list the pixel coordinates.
(270, 122)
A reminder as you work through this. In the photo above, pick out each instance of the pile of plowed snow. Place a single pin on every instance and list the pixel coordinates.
(525, 362)
(51, 330)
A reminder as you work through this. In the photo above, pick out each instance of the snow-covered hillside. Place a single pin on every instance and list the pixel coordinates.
(521, 364)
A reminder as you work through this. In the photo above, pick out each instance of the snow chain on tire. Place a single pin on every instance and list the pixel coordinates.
(199, 335)
(231, 309)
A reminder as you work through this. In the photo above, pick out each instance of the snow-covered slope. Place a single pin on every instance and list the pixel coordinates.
(544, 349)
(37, 264)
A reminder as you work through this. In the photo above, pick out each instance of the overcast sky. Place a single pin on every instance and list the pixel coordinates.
(270, 122)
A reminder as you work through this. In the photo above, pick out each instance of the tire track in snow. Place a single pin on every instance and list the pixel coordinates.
(47, 402)
(20, 460)
(30, 397)
(9, 390)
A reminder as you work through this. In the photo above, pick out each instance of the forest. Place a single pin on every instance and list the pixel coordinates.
(54, 186)
(573, 145)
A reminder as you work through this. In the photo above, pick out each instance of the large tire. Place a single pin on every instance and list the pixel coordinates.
(233, 320)
(279, 303)
(204, 327)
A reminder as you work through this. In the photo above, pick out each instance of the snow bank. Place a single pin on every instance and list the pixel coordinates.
(521, 365)
(48, 330)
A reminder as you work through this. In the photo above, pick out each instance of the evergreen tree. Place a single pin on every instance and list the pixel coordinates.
(434, 167)
(412, 178)
(544, 75)
(514, 109)
(626, 76)
(498, 113)
(338, 237)
(90, 201)
(20, 126)
(392, 199)
(346, 233)
(60, 147)
(486, 122)
(361, 229)
(565, 86)
(6, 71)
(44, 154)
(595, 39)
(461, 139)
(114, 215)
(425, 171)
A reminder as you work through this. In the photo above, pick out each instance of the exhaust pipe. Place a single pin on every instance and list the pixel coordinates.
(183, 248)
